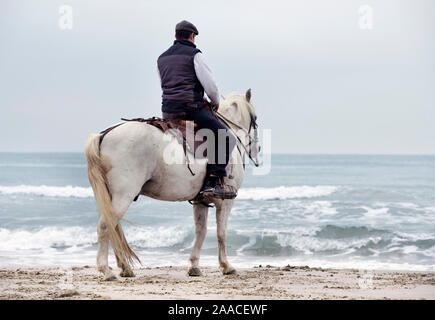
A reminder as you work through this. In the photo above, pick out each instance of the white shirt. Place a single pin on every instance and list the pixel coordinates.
(205, 76)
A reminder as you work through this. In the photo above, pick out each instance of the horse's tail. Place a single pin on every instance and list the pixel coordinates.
(98, 180)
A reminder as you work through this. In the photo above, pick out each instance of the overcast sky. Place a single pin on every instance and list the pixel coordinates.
(322, 84)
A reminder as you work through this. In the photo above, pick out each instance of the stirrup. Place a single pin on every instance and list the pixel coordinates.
(213, 193)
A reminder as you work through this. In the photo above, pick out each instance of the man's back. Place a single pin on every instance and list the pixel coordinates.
(180, 85)
(184, 77)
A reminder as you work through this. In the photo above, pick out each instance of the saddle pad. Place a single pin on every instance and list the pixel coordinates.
(154, 121)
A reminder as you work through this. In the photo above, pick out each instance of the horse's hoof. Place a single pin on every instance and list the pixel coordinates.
(229, 271)
(110, 278)
(194, 272)
(127, 274)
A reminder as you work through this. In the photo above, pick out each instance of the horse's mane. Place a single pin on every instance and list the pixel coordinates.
(236, 98)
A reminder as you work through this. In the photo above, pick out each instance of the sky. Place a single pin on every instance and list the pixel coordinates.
(319, 81)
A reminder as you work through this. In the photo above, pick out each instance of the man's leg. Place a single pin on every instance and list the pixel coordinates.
(223, 146)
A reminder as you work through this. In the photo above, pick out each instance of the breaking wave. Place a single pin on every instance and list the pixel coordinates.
(86, 237)
(282, 192)
(330, 241)
(48, 191)
(42, 165)
(278, 193)
(158, 244)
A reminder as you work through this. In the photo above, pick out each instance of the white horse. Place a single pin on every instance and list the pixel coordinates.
(131, 160)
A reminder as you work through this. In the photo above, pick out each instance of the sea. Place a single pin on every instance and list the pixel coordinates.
(342, 211)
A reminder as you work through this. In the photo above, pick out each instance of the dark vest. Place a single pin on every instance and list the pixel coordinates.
(181, 88)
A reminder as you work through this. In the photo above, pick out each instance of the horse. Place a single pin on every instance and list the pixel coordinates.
(132, 160)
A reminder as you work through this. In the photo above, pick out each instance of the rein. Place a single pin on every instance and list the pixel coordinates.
(253, 124)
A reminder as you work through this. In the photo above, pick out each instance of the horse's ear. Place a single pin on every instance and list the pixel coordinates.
(248, 95)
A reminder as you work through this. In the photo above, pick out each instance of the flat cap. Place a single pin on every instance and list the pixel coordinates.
(186, 26)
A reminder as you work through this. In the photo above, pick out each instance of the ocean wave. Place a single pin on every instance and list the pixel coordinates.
(159, 237)
(46, 238)
(49, 244)
(85, 237)
(42, 165)
(48, 191)
(283, 192)
(243, 194)
(331, 240)
(312, 210)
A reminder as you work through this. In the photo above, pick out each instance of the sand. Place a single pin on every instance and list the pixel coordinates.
(265, 282)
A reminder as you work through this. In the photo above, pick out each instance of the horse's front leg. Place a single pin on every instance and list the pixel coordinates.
(222, 213)
(200, 215)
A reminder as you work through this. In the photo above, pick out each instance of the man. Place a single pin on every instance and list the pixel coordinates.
(184, 77)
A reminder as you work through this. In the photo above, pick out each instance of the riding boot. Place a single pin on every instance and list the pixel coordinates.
(214, 187)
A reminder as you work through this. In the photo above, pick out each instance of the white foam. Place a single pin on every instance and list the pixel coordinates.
(319, 208)
(408, 205)
(304, 239)
(157, 237)
(45, 238)
(310, 245)
(48, 191)
(250, 243)
(409, 249)
(371, 212)
(244, 194)
(62, 237)
(337, 263)
(77, 245)
(284, 192)
(43, 165)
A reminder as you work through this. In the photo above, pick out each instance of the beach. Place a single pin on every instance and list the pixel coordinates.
(265, 282)
(348, 218)
(322, 129)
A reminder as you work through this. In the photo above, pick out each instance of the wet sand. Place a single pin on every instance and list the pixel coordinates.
(265, 282)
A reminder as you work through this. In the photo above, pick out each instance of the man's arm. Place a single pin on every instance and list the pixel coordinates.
(206, 78)
(158, 72)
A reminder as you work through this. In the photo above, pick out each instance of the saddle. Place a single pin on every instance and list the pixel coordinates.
(176, 121)
(188, 131)
(188, 128)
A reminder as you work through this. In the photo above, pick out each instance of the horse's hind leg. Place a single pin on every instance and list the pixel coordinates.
(200, 215)
(125, 268)
(120, 205)
(222, 213)
(103, 251)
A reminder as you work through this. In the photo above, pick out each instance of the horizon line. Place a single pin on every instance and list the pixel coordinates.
(273, 153)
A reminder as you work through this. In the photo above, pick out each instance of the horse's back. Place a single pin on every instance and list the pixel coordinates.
(152, 159)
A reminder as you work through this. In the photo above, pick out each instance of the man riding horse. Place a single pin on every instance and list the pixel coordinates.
(130, 158)
(184, 78)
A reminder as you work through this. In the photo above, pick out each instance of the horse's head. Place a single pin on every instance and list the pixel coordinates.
(239, 109)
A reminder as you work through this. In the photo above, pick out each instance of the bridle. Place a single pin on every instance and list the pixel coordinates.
(252, 125)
